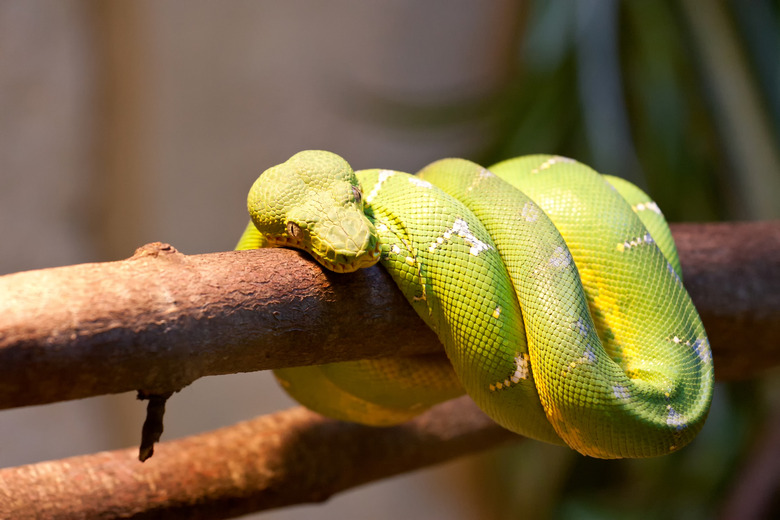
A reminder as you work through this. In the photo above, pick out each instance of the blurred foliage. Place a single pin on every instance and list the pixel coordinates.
(625, 87)
(541, 481)
(686, 106)
(682, 98)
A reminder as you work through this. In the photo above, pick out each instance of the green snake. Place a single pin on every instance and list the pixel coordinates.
(556, 292)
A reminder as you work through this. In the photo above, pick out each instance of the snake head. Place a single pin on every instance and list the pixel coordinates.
(313, 202)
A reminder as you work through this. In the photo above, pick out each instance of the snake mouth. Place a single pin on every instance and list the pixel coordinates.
(366, 259)
(340, 263)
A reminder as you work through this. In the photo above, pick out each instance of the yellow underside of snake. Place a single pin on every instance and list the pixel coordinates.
(556, 293)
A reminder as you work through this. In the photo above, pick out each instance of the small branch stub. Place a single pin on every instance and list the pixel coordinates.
(153, 425)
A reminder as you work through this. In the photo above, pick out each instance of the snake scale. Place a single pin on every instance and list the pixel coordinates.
(556, 292)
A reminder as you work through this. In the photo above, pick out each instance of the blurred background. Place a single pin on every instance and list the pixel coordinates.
(123, 123)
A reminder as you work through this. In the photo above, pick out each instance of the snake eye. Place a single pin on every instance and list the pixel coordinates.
(358, 195)
(293, 229)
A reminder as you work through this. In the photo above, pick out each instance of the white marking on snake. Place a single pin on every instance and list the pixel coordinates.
(521, 368)
(383, 176)
(620, 391)
(497, 312)
(675, 419)
(674, 273)
(420, 183)
(702, 348)
(530, 212)
(589, 356)
(634, 242)
(521, 373)
(561, 258)
(461, 228)
(552, 160)
(700, 345)
(483, 174)
(582, 327)
(647, 206)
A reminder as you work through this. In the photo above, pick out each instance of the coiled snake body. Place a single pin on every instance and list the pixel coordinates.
(578, 332)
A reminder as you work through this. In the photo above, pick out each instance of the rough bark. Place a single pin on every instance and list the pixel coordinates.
(160, 320)
(732, 272)
(289, 457)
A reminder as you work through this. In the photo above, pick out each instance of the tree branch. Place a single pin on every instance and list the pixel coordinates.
(289, 457)
(160, 320)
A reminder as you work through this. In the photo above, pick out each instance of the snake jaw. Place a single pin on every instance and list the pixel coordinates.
(343, 239)
(336, 260)
(342, 265)
(366, 260)
(347, 261)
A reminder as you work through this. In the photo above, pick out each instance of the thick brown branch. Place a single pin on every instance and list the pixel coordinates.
(160, 319)
(732, 272)
(289, 457)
